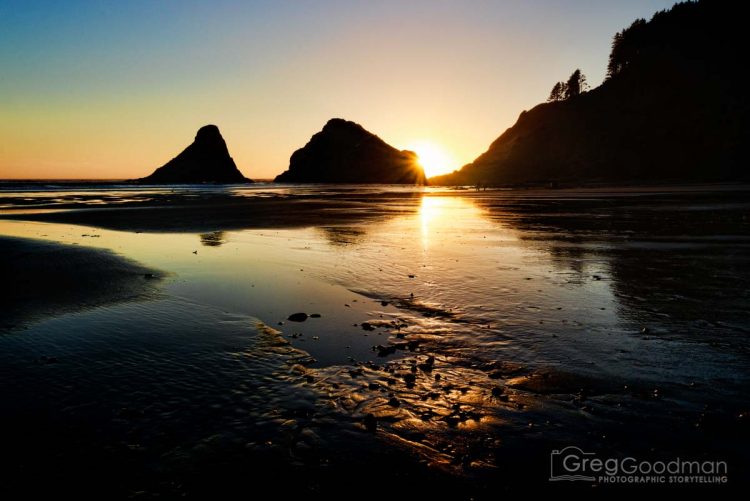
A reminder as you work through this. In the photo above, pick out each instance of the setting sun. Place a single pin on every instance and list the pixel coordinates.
(433, 158)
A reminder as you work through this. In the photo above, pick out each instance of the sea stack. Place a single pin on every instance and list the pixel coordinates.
(344, 152)
(206, 160)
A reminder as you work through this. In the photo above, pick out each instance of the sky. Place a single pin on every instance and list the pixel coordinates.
(113, 89)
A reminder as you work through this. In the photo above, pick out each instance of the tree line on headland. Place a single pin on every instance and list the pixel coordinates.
(673, 108)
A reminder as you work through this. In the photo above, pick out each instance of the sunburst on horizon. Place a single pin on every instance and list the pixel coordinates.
(433, 158)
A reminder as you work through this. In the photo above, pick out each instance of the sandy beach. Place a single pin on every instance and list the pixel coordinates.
(48, 279)
(356, 335)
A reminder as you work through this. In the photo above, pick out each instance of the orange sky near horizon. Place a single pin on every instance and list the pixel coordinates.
(112, 91)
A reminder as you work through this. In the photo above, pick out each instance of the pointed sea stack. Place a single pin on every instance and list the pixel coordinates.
(344, 152)
(207, 160)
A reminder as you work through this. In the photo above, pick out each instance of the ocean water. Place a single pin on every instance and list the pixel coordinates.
(479, 331)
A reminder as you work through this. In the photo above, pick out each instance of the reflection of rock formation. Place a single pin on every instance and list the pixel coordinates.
(213, 239)
(671, 258)
(343, 235)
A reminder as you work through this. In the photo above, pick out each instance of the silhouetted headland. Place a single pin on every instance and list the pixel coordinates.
(673, 109)
(206, 160)
(344, 152)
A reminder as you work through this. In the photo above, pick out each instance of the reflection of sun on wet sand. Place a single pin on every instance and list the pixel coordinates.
(461, 337)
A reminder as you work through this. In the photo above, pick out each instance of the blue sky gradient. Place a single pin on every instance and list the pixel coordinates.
(94, 89)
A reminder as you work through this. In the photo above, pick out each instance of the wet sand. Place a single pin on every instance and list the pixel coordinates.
(463, 337)
(44, 279)
(197, 209)
(205, 211)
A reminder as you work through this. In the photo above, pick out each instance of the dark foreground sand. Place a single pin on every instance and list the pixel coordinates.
(44, 278)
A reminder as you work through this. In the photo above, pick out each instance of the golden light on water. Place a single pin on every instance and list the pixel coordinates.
(429, 210)
(433, 158)
(438, 214)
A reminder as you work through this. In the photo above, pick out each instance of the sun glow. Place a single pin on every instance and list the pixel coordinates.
(433, 158)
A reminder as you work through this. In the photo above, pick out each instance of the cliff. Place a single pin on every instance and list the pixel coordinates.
(673, 109)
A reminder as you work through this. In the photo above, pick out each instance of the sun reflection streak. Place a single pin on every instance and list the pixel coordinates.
(429, 210)
(437, 213)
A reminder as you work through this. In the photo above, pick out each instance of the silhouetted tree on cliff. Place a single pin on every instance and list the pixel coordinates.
(558, 92)
(626, 47)
(575, 84)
